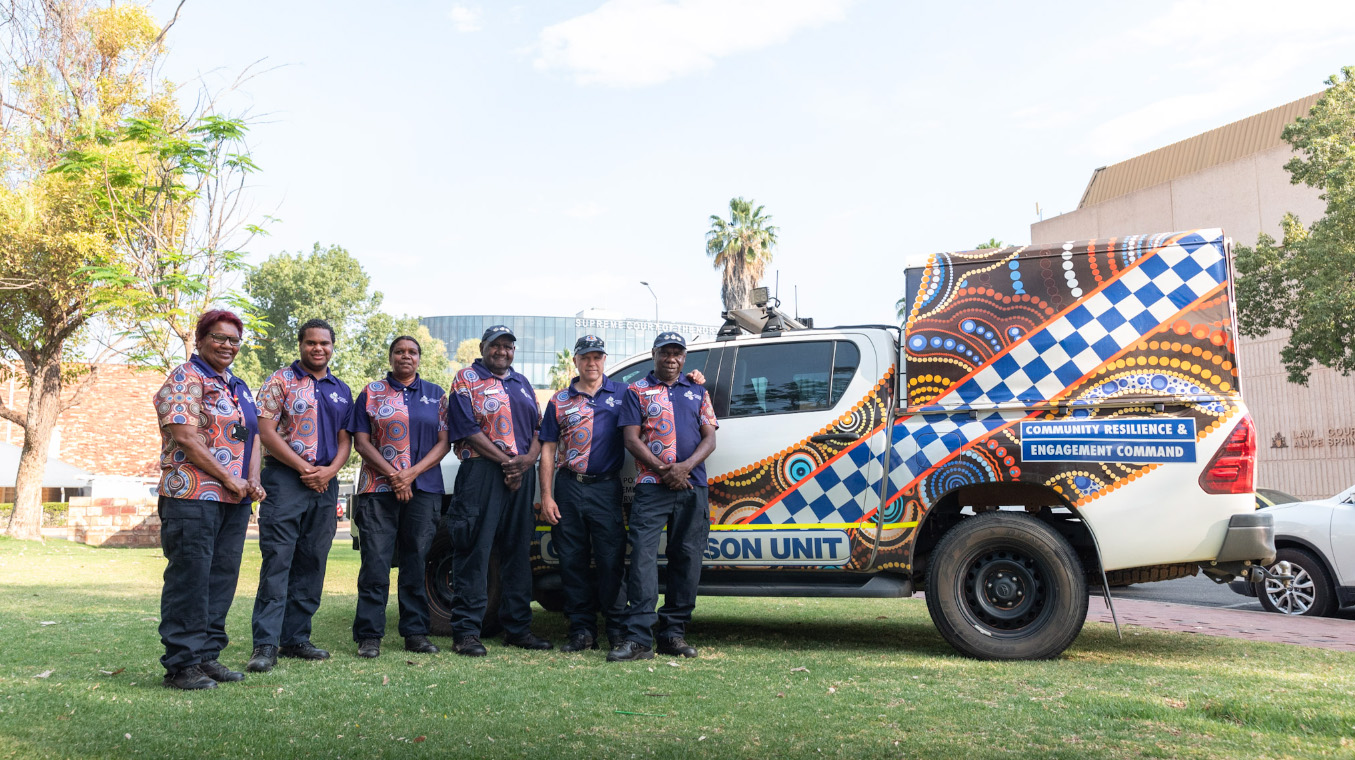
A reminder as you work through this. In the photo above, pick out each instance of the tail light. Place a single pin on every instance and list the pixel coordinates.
(1232, 468)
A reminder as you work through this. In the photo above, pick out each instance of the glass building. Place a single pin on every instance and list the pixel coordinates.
(541, 338)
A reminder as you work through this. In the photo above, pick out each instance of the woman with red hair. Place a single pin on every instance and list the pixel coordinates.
(209, 476)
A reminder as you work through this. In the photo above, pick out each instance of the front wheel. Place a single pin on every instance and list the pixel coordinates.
(1309, 593)
(1005, 586)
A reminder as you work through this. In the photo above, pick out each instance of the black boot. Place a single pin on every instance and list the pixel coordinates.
(264, 658)
(190, 678)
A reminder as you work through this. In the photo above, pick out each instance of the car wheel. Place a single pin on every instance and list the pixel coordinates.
(1310, 593)
(438, 585)
(1005, 586)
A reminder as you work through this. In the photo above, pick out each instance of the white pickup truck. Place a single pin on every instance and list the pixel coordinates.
(1047, 420)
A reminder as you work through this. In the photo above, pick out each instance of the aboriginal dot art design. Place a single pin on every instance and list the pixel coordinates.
(189, 397)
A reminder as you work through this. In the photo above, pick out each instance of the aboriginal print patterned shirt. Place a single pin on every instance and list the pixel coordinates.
(196, 394)
(404, 423)
(670, 420)
(585, 428)
(504, 410)
(311, 412)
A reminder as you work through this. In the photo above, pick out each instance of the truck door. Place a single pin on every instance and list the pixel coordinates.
(797, 465)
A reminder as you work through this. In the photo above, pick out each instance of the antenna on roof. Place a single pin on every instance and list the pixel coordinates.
(797, 301)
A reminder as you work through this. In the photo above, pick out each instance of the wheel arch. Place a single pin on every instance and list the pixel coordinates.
(1039, 501)
(1294, 542)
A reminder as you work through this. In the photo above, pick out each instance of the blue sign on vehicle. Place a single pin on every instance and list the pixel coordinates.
(1123, 440)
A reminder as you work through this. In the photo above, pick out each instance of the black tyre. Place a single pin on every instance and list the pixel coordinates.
(1005, 586)
(438, 583)
(1310, 593)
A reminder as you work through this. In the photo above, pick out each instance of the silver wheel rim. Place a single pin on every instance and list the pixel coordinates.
(1299, 597)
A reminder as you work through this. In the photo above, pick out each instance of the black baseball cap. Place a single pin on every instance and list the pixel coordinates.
(669, 339)
(589, 344)
(497, 331)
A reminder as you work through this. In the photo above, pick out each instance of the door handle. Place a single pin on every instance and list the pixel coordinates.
(826, 437)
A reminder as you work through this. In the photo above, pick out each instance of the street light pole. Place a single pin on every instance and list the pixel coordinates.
(656, 308)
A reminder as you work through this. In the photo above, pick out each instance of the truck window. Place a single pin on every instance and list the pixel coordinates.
(696, 360)
(777, 378)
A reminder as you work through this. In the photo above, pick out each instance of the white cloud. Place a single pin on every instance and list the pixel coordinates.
(586, 210)
(465, 18)
(636, 43)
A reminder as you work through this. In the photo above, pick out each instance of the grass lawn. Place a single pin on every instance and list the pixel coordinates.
(776, 678)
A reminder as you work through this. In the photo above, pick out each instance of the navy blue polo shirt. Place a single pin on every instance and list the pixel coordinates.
(585, 428)
(403, 422)
(670, 418)
(475, 402)
(243, 399)
(333, 405)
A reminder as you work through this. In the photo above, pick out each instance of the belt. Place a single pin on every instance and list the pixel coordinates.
(587, 479)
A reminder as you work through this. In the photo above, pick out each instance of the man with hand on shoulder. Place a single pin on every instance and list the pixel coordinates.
(303, 409)
(669, 427)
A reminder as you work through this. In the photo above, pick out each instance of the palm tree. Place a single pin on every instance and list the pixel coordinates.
(562, 371)
(742, 248)
(992, 243)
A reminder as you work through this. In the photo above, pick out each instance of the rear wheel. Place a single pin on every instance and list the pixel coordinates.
(438, 584)
(1005, 586)
(1309, 593)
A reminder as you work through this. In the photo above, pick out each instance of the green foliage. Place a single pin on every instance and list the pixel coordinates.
(467, 352)
(287, 290)
(992, 243)
(562, 371)
(328, 283)
(1306, 283)
(741, 248)
(53, 513)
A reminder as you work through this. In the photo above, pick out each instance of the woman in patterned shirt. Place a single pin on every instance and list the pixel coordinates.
(399, 428)
(209, 475)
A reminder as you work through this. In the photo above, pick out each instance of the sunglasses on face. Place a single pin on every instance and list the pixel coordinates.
(224, 339)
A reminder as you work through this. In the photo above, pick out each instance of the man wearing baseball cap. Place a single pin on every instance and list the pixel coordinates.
(581, 457)
(668, 425)
(492, 418)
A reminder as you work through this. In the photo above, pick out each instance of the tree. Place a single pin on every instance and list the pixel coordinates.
(79, 78)
(992, 243)
(562, 371)
(1306, 283)
(467, 352)
(287, 289)
(741, 248)
(330, 284)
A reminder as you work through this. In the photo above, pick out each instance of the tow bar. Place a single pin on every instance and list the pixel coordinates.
(1258, 573)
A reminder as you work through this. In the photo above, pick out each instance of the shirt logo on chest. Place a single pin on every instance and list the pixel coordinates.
(690, 396)
(426, 400)
(527, 395)
(612, 402)
(336, 398)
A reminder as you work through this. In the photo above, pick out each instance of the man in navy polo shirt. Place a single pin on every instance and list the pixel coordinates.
(669, 427)
(302, 412)
(492, 418)
(582, 498)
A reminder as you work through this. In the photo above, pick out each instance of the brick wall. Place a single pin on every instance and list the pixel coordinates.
(113, 522)
(112, 431)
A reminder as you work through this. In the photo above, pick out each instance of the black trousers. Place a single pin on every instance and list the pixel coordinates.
(390, 529)
(485, 517)
(203, 541)
(296, 529)
(687, 516)
(591, 542)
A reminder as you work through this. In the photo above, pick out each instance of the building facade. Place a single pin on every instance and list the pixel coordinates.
(540, 339)
(1233, 177)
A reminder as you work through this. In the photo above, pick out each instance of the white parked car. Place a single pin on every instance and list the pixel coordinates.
(1315, 543)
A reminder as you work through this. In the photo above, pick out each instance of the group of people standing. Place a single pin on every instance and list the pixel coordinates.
(223, 449)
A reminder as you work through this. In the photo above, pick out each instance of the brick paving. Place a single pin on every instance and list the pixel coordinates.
(1324, 633)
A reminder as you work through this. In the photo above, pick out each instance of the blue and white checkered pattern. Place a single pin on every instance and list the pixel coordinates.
(1102, 325)
(835, 494)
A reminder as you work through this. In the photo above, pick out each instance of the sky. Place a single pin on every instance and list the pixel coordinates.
(543, 158)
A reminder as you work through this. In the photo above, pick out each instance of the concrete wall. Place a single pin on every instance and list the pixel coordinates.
(1314, 454)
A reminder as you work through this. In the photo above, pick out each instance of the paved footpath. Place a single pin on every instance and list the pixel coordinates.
(1325, 633)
